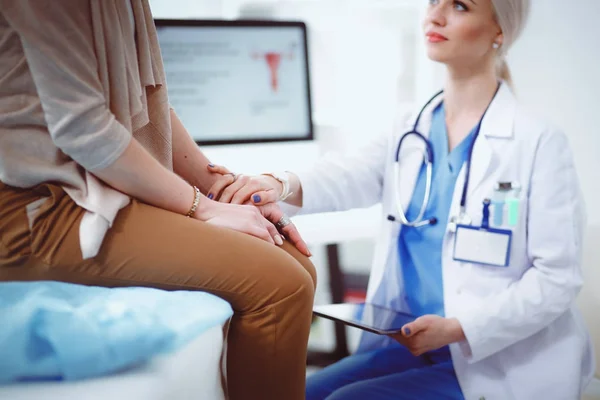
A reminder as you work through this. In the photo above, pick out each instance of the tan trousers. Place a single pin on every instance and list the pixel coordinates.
(271, 290)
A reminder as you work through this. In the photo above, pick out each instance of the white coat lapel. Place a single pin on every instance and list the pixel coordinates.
(481, 161)
(497, 123)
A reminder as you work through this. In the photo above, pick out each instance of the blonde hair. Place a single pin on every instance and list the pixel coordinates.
(512, 16)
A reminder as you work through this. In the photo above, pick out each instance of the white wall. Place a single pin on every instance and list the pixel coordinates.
(185, 9)
(556, 67)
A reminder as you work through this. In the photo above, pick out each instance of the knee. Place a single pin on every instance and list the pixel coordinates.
(292, 276)
(303, 260)
(305, 285)
(299, 286)
(312, 271)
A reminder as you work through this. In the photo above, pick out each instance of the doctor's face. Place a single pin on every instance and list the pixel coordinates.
(461, 33)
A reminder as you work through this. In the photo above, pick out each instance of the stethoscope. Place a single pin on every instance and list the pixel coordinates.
(462, 218)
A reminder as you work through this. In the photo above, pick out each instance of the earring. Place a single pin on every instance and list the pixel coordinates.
(496, 45)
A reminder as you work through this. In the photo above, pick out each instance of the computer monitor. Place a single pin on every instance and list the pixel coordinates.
(238, 81)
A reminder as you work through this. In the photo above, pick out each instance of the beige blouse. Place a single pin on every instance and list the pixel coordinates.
(78, 80)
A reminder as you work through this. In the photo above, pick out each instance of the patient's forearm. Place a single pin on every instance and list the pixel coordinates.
(189, 161)
(138, 174)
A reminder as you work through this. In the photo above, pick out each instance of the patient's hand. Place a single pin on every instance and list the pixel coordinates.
(261, 191)
(240, 189)
(273, 213)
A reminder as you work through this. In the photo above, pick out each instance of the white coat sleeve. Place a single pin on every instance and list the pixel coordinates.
(555, 224)
(343, 182)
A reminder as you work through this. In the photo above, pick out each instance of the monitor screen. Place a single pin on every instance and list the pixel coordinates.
(238, 81)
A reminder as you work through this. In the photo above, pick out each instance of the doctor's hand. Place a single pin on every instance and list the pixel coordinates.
(260, 191)
(429, 332)
(240, 189)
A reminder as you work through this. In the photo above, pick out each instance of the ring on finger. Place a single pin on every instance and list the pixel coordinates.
(234, 175)
(283, 221)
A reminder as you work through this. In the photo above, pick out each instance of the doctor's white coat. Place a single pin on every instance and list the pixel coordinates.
(525, 339)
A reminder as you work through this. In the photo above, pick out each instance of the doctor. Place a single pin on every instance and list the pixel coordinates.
(482, 232)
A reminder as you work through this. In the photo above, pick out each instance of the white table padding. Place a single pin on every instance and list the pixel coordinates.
(193, 372)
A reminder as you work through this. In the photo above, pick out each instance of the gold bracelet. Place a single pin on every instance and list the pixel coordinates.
(195, 203)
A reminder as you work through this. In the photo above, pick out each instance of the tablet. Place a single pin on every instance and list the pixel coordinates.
(369, 317)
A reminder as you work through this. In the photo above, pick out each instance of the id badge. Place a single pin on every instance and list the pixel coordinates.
(477, 245)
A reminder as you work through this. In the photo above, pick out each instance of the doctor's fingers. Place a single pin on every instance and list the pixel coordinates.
(418, 325)
(240, 182)
(417, 344)
(215, 190)
(398, 337)
(417, 351)
(218, 169)
(257, 192)
(414, 344)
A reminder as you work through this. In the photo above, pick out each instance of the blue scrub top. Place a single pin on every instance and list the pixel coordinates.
(420, 249)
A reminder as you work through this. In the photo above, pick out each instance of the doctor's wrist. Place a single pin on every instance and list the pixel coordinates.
(455, 330)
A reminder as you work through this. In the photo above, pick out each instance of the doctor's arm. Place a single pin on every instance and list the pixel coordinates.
(342, 182)
(554, 234)
(335, 183)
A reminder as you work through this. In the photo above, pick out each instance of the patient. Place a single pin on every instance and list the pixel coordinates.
(101, 184)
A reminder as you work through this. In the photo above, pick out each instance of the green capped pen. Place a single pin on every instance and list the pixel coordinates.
(512, 205)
